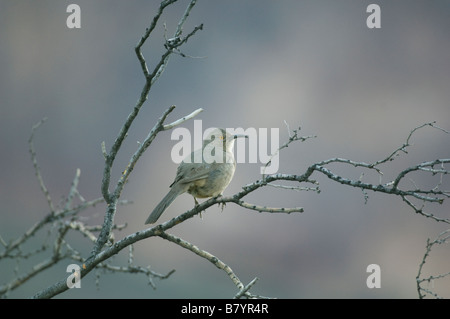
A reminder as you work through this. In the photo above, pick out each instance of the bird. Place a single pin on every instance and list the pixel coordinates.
(204, 173)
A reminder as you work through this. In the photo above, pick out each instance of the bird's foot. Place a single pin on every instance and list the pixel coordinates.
(196, 204)
(221, 205)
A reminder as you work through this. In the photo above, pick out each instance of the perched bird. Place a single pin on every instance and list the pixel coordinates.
(204, 173)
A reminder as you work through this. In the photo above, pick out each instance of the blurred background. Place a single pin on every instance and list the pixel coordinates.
(313, 64)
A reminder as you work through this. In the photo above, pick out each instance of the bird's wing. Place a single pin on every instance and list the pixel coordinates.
(189, 172)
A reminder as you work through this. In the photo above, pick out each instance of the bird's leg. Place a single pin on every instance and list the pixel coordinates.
(196, 204)
(222, 205)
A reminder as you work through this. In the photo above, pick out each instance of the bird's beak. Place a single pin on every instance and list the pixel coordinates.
(235, 136)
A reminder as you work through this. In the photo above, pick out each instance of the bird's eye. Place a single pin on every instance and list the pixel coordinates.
(221, 137)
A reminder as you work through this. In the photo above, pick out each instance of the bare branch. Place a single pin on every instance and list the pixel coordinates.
(37, 171)
(407, 143)
(73, 189)
(20, 280)
(112, 198)
(184, 18)
(51, 217)
(56, 256)
(182, 120)
(243, 290)
(422, 167)
(295, 188)
(136, 270)
(293, 136)
(142, 147)
(161, 229)
(204, 254)
(79, 226)
(260, 209)
(150, 79)
(147, 33)
(442, 238)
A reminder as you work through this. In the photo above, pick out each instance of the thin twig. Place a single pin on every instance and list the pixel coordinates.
(37, 170)
(182, 120)
(73, 189)
(442, 238)
(260, 209)
(204, 254)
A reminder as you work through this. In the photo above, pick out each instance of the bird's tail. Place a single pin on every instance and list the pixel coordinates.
(165, 202)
